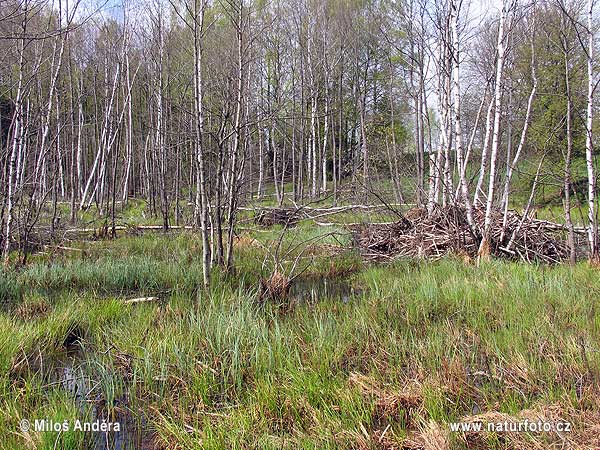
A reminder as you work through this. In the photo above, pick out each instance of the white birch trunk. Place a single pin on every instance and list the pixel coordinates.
(325, 136)
(15, 149)
(201, 205)
(484, 152)
(454, 11)
(496, 133)
(589, 150)
(236, 136)
(511, 167)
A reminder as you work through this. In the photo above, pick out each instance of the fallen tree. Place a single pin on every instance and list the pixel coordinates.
(268, 216)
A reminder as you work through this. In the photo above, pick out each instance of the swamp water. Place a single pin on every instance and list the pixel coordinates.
(311, 290)
(68, 373)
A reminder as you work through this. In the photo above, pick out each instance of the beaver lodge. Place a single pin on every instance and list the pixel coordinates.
(445, 230)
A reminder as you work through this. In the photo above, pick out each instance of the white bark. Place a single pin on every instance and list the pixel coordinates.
(101, 145)
(454, 11)
(201, 205)
(56, 65)
(484, 151)
(15, 147)
(313, 147)
(469, 150)
(497, 113)
(80, 121)
(325, 136)
(511, 167)
(589, 150)
(236, 135)
(129, 129)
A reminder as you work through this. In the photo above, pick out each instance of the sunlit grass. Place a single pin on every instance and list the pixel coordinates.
(418, 342)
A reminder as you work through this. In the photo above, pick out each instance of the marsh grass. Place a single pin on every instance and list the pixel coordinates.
(421, 344)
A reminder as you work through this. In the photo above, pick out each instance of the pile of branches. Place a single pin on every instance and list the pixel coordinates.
(276, 216)
(446, 230)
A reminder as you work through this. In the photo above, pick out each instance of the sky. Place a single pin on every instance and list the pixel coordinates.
(113, 8)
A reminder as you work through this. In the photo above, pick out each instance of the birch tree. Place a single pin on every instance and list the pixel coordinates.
(589, 146)
(501, 54)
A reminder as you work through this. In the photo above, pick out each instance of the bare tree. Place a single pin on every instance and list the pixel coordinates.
(501, 52)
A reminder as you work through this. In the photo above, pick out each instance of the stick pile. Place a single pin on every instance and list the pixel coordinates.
(276, 216)
(447, 231)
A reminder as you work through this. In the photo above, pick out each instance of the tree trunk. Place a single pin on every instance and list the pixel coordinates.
(589, 149)
(501, 50)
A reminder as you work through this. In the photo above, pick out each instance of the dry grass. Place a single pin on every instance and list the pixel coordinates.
(274, 288)
(390, 407)
(584, 434)
(35, 308)
(432, 436)
(244, 241)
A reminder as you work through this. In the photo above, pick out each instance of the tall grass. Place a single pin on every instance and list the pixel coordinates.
(421, 344)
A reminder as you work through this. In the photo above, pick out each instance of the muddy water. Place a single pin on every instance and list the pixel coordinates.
(311, 290)
(71, 377)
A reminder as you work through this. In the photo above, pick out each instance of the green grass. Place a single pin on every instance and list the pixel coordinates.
(420, 344)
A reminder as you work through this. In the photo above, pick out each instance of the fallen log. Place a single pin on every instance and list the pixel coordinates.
(349, 224)
(141, 300)
(127, 228)
(60, 247)
(558, 226)
(326, 209)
